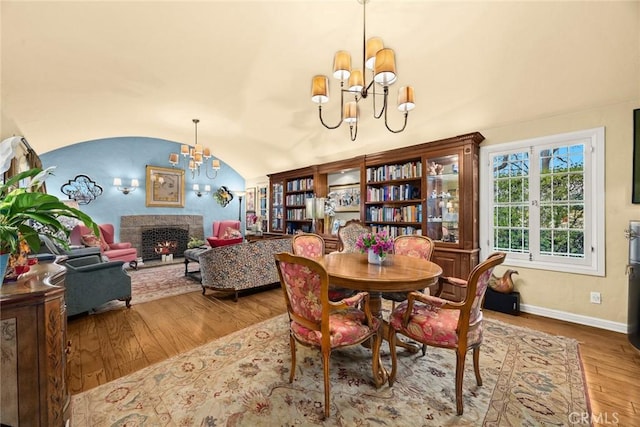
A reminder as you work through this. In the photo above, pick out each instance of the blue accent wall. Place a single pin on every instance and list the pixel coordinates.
(126, 158)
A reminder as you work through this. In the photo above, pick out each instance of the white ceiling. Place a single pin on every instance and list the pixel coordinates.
(77, 71)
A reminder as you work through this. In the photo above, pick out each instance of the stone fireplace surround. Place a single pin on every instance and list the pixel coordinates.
(131, 226)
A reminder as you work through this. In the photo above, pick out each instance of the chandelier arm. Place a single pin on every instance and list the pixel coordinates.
(384, 103)
(353, 134)
(342, 90)
(322, 121)
(406, 114)
(215, 173)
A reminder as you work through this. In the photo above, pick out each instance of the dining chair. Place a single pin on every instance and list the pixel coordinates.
(308, 245)
(314, 321)
(312, 246)
(412, 245)
(438, 322)
(348, 235)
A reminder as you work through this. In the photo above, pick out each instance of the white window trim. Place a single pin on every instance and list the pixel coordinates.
(595, 181)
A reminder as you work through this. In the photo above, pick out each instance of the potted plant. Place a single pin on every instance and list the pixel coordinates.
(25, 213)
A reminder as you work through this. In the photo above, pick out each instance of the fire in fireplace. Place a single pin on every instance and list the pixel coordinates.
(160, 241)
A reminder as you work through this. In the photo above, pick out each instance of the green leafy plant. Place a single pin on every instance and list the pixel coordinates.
(194, 242)
(25, 213)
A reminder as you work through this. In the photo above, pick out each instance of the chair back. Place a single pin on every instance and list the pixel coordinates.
(308, 245)
(477, 286)
(219, 227)
(305, 283)
(413, 245)
(108, 233)
(348, 235)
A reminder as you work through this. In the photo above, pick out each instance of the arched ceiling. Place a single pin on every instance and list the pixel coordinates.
(84, 70)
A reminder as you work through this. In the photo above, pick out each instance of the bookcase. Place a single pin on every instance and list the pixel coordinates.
(289, 192)
(263, 208)
(394, 197)
(429, 189)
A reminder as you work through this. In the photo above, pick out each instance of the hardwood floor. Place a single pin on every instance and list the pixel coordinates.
(109, 345)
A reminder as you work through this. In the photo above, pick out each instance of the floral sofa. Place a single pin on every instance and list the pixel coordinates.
(243, 266)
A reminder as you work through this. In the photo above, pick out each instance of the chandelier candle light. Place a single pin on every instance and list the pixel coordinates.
(381, 61)
(197, 156)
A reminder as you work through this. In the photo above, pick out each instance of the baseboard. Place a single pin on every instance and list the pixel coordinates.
(575, 318)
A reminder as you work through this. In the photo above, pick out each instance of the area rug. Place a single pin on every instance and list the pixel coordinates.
(529, 378)
(152, 283)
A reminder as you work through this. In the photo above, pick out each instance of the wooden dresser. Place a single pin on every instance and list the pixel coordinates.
(33, 324)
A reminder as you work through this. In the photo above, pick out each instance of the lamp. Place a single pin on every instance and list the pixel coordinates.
(196, 189)
(314, 209)
(381, 61)
(117, 182)
(240, 195)
(195, 157)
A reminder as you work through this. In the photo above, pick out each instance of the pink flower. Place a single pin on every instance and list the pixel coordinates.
(379, 242)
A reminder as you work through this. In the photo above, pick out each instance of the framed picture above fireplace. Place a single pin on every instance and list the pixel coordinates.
(165, 187)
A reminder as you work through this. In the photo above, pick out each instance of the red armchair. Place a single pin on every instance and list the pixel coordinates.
(225, 233)
(123, 251)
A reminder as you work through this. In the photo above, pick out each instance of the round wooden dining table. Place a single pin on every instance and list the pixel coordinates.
(398, 273)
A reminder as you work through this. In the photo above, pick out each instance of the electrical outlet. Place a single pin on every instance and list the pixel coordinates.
(596, 298)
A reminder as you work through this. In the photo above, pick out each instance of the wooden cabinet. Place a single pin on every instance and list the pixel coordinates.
(430, 189)
(263, 208)
(34, 347)
(289, 193)
(393, 200)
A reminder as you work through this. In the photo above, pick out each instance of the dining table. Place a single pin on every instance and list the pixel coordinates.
(397, 273)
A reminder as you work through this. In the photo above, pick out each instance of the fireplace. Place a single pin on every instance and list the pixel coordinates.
(178, 228)
(157, 241)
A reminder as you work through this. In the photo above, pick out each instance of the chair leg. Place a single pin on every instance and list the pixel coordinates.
(292, 346)
(476, 364)
(460, 357)
(394, 356)
(379, 373)
(325, 367)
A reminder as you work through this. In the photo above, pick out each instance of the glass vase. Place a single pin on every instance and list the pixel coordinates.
(374, 258)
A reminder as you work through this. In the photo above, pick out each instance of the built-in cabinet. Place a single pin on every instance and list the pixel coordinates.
(34, 386)
(288, 201)
(263, 207)
(429, 189)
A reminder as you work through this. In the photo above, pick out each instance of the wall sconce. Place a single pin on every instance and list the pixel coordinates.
(196, 189)
(117, 182)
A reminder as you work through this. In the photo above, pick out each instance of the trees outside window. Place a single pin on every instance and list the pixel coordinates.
(544, 200)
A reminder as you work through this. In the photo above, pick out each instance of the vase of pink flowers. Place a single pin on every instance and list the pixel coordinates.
(376, 245)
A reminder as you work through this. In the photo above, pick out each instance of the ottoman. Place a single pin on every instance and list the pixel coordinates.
(193, 255)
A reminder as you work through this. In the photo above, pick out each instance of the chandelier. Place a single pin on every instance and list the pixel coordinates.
(196, 158)
(381, 61)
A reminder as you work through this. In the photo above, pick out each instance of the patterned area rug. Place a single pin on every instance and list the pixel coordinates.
(529, 378)
(148, 284)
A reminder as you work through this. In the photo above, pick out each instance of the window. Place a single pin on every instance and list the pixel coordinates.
(544, 202)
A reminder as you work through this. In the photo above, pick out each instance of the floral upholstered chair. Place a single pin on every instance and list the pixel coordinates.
(441, 323)
(348, 235)
(311, 245)
(411, 245)
(315, 321)
(308, 245)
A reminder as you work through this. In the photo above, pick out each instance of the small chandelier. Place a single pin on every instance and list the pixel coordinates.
(381, 61)
(196, 158)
